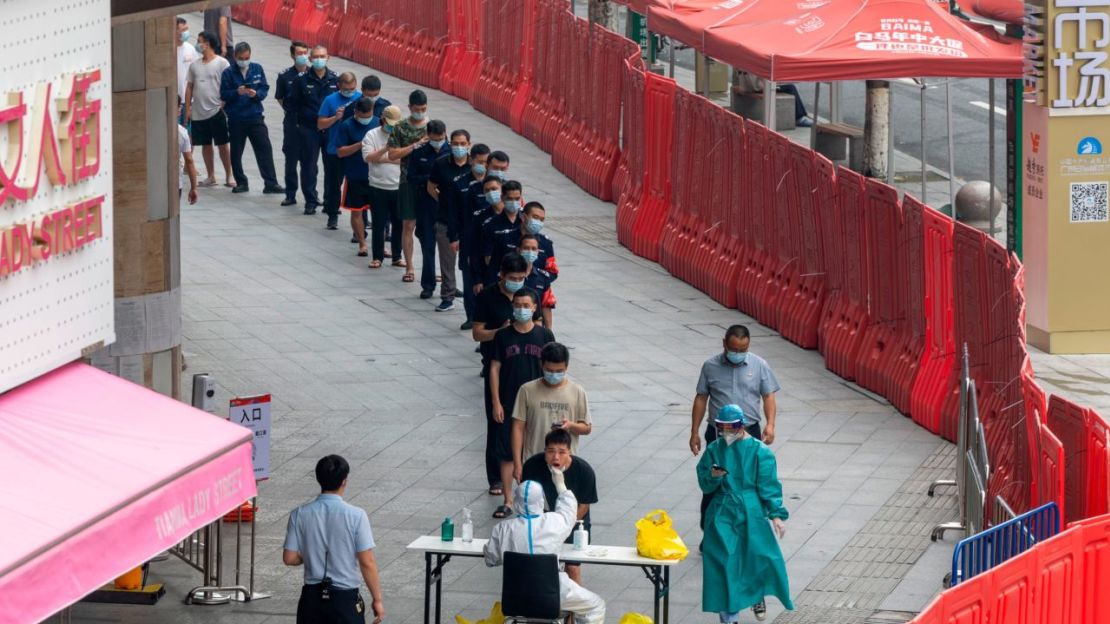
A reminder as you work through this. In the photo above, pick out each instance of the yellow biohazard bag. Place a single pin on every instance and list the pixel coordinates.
(635, 618)
(657, 539)
(495, 617)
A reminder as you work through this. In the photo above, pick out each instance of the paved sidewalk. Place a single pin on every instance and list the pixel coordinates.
(360, 366)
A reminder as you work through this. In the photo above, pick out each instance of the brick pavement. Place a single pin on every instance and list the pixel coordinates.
(360, 366)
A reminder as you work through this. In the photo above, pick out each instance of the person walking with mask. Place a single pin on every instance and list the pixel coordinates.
(290, 145)
(242, 88)
(741, 560)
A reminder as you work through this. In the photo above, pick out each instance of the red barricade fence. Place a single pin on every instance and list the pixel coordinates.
(888, 290)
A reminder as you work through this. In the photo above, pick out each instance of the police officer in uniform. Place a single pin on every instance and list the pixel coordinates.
(309, 91)
(290, 147)
(334, 542)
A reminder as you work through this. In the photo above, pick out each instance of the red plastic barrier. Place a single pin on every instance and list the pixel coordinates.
(681, 151)
(885, 279)
(804, 296)
(1085, 437)
(283, 20)
(632, 189)
(755, 259)
(349, 23)
(1062, 580)
(270, 15)
(249, 13)
(905, 364)
(659, 127)
(846, 317)
(500, 74)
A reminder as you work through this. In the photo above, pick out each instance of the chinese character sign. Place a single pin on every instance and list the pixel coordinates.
(1078, 37)
(254, 414)
(56, 271)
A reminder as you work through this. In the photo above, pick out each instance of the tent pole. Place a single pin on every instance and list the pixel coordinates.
(951, 147)
(834, 102)
(670, 40)
(924, 166)
(769, 104)
(890, 136)
(816, 114)
(990, 156)
(707, 63)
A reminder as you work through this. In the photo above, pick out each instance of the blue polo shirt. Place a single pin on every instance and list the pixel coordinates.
(242, 107)
(741, 384)
(328, 108)
(331, 526)
(350, 131)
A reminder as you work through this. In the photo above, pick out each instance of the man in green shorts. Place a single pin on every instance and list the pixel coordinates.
(407, 137)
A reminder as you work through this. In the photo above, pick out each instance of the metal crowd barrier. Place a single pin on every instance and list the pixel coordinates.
(981, 552)
(973, 467)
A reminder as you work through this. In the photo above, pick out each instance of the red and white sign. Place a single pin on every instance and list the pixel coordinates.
(254, 414)
(56, 273)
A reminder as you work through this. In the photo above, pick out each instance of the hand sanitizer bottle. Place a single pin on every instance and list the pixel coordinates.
(467, 527)
(581, 536)
(447, 530)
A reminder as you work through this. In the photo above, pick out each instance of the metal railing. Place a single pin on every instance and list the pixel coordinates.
(982, 551)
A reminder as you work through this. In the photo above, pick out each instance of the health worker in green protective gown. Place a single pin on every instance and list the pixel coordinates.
(741, 560)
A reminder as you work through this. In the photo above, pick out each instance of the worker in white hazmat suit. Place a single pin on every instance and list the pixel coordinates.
(532, 531)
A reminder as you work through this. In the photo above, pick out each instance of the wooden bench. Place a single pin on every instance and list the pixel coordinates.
(840, 141)
(750, 106)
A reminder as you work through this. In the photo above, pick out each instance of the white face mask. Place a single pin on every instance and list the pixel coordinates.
(732, 437)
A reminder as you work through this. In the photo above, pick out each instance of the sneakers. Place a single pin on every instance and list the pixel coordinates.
(288, 201)
(803, 122)
(466, 326)
(445, 306)
(241, 188)
(310, 210)
(273, 190)
(759, 610)
(426, 294)
(333, 222)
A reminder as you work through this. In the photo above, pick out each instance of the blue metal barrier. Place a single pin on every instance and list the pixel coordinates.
(981, 552)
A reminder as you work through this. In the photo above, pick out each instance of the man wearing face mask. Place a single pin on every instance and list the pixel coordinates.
(471, 204)
(421, 163)
(734, 377)
(384, 176)
(492, 198)
(204, 111)
(444, 187)
(186, 54)
(307, 95)
(498, 165)
(554, 401)
(290, 147)
(514, 361)
(501, 231)
(333, 110)
(372, 88)
(493, 310)
(741, 561)
(356, 172)
(242, 88)
(407, 137)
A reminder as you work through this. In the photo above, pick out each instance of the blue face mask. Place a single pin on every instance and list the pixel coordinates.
(500, 175)
(436, 145)
(512, 286)
(373, 98)
(493, 197)
(554, 378)
(530, 256)
(242, 64)
(535, 226)
(301, 60)
(512, 206)
(364, 120)
(319, 63)
(419, 116)
(478, 169)
(459, 151)
(521, 314)
(184, 35)
(388, 128)
(347, 93)
(737, 357)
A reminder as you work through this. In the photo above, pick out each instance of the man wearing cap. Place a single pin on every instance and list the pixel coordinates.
(741, 561)
(738, 377)
(384, 179)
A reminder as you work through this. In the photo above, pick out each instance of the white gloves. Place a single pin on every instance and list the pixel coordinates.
(558, 479)
(779, 526)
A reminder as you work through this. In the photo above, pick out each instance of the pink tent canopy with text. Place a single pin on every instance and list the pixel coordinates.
(861, 39)
(98, 476)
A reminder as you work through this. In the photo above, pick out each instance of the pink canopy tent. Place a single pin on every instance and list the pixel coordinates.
(100, 475)
(862, 39)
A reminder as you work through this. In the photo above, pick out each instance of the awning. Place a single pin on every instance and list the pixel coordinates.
(862, 39)
(686, 20)
(98, 476)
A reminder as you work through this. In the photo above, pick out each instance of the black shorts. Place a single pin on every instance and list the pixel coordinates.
(210, 131)
(356, 195)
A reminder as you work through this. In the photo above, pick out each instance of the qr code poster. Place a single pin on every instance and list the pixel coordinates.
(1087, 202)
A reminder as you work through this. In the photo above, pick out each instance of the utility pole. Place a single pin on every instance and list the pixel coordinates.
(601, 12)
(876, 129)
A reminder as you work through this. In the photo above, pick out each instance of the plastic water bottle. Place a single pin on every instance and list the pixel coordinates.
(467, 527)
(447, 530)
(581, 536)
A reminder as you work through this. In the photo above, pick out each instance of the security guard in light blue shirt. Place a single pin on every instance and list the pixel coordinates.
(333, 540)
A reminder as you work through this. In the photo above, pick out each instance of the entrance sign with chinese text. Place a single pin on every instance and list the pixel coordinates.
(254, 414)
(56, 272)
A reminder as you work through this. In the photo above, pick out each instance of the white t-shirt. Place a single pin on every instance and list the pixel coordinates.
(385, 176)
(186, 54)
(205, 78)
(184, 146)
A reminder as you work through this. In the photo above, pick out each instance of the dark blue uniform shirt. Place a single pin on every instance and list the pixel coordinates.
(243, 107)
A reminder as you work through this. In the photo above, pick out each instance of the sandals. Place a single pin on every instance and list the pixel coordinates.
(502, 511)
(207, 184)
(495, 490)
(408, 277)
(400, 263)
(362, 253)
(375, 264)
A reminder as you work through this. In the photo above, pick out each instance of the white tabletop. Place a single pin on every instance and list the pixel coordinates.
(594, 553)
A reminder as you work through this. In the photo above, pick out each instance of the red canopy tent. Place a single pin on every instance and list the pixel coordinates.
(862, 39)
(1005, 11)
(687, 20)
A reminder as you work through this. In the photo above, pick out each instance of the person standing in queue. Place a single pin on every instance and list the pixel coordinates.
(333, 111)
(290, 147)
(356, 172)
(242, 88)
(407, 137)
(471, 204)
(495, 205)
(218, 22)
(372, 88)
(186, 54)
(499, 165)
(735, 376)
(514, 361)
(421, 164)
(308, 93)
(502, 233)
(443, 185)
(384, 177)
(538, 279)
(204, 110)
(333, 540)
(494, 310)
